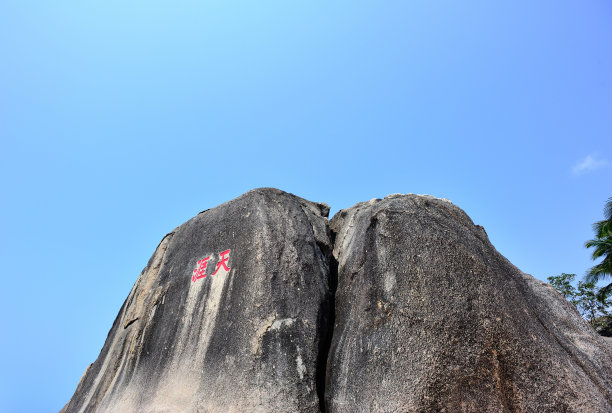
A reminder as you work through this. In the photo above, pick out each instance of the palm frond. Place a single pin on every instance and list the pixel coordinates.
(604, 292)
(602, 244)
(602, 247)
(602, 228)
(608, 210)
(600, 271)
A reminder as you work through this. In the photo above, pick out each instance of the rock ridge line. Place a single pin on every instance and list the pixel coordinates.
(398, 304)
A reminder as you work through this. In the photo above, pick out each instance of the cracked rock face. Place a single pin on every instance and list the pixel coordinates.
(243, 340)
(431, 318)
(396, 305)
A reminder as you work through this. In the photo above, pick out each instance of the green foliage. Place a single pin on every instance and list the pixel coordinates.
(602, 244)
(563, 284)
(590, 304)
(590, 301)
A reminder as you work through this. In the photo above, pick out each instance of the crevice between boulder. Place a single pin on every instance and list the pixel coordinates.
(327, 319)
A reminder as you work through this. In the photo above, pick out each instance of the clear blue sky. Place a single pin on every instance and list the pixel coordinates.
(120, 120)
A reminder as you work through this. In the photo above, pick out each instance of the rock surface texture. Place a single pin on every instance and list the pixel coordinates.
(243, 340)
(431, 318)
(396, 305)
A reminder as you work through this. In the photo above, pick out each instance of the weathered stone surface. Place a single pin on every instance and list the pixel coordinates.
(244, 340)
(431, 318)
(428, 317)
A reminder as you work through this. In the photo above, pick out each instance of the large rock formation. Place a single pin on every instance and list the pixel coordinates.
(428, 317)
(244, 339)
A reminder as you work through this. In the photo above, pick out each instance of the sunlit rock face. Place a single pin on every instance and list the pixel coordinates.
(396, 305)
(243, 339)
(431, 318)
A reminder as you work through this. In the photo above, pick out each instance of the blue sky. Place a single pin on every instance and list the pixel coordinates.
(120, 120)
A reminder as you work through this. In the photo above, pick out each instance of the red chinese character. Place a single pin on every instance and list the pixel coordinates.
(223, 259)
(200, 271)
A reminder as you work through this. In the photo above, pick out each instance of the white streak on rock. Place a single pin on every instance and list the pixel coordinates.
(301, 368)
(283, 322)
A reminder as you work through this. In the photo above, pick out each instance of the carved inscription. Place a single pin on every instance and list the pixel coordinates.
(200, 271)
